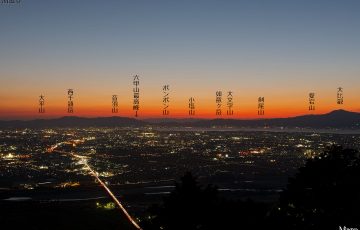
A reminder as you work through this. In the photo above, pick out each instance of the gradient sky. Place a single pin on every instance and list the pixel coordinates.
(281, 50)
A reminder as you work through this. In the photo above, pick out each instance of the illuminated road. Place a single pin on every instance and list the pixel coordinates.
(95, 175)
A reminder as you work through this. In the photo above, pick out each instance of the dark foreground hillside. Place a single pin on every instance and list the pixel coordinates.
(324, 194)
(72, 215)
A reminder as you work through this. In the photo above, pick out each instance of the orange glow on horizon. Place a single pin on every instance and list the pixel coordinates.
(90, 104)
(206, 113)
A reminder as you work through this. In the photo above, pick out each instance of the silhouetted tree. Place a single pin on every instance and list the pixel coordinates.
(191, 206)
(324, 194)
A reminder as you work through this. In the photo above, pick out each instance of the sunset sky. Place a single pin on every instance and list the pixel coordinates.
(281, 50)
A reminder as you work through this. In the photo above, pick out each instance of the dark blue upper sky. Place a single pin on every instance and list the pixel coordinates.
(192, 34)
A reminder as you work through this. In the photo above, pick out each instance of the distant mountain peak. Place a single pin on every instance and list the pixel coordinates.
(340, 111)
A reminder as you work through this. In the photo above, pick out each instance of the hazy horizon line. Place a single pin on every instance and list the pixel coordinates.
(223, 117)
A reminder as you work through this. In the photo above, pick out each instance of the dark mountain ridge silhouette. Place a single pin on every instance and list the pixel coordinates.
(334, 119)
(339, 119)
(73, 121)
